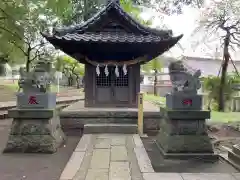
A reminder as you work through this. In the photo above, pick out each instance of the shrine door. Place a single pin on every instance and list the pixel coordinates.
(112, 90)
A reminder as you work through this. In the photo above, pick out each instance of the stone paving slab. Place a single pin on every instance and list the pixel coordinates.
(118, 141)
(103, 143)
(143, 160)
(137, 141)
(207, 176)
(75, 160)
(119, 171)
(119, 153)
(162, 176)
(100, 159)
(72, 166)
(97, 174)
(122, 157)
(83, 143)
(107, 157)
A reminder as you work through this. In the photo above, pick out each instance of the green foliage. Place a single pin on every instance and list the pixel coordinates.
(21, 22)
(211, 84)
(69, 66)
(81, 10)
(154, 65)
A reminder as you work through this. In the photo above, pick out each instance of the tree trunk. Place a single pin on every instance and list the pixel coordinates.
(155, 83)
(70, 81)
(226, 57)
(78, 83)
(28, 62)
(27, 66)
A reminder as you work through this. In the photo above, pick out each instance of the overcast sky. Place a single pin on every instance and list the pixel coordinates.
(186, 24)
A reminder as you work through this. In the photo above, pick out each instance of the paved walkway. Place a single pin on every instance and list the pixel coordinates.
(121, 157)
(103, 157)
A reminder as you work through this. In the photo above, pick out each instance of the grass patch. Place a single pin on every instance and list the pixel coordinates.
(9, 87)
(158, 100)
(224, 117)
(14, 87)
(216, 117)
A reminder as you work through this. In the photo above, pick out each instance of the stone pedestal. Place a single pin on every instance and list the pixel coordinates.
(36, 100)
(34, 131)
(183, 134)
(184, 101)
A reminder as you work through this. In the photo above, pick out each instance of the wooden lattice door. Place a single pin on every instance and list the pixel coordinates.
(112, 89)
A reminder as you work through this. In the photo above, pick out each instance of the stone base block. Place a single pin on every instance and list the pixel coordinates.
(182, 101)
(184, 137)
(185, 146)
(31, 135)
(184, 143)
(36, 100)
(33, 144)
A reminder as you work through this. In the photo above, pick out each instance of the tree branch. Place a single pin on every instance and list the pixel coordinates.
(10, 32)
(234, 25)
(19, 47)
(235, 39)
(40, 44)
(38, 55)
(222, 25)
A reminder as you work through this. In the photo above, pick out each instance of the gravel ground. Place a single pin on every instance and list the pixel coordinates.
(183, 166)
(33, 166)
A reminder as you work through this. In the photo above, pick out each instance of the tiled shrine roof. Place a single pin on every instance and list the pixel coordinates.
(104, 13)
(111, 37)
(111, 34)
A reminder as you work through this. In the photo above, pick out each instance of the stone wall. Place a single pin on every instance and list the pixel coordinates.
(75, 125)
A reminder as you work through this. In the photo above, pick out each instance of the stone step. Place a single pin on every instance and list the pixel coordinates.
(110, 128)
(236, 149)
(234, 157)
(99, 120)
(3, 114)
(230, 161)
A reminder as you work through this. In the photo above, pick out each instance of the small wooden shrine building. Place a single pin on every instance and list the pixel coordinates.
(112, 45)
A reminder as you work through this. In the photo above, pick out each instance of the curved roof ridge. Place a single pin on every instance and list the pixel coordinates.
(96, 17)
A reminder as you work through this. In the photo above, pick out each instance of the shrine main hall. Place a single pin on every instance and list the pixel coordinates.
(112, 45)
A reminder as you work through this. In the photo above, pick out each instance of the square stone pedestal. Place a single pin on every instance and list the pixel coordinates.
(36, 100)
(182, 101)
(183, 134)
(34, 131)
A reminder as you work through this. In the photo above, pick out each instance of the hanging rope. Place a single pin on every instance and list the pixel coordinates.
(114, 63)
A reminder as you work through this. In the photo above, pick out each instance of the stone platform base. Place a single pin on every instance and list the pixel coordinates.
(183, 135)
(75, 117)
(186, 147)
(34, 131)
